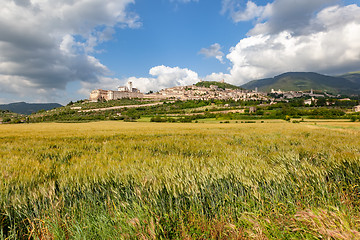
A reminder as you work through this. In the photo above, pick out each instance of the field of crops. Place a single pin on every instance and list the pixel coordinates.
(116, 180)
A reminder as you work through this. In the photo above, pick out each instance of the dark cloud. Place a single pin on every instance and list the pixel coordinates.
(280, 15)
(291, 15)
(23, 3)
(39, 49)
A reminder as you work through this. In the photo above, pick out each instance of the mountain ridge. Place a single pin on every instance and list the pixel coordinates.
(28, 108)
(348, 83)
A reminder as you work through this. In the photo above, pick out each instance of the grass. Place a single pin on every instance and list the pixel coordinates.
(106, 180)
(144, 119)
(342, 124)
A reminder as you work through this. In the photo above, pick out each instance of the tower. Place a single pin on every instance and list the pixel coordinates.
(130, 86)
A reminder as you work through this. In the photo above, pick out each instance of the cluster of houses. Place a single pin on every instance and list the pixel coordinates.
(193, 92)
(298, 94)
(190, 92)
(312, 98)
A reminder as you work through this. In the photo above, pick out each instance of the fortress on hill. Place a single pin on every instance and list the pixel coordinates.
(191, 92)
(122, 92)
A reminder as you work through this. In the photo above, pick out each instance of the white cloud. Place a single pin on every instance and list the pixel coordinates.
(291, 15)
(278, 16)
(213, 51)
(306, 38)
(45, 45)
(164, 77)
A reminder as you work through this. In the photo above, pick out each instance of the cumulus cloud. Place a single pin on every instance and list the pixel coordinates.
(280, 15)
(164, 77)
(299, 36)
(45, 45)
(291, 15)
(213, 51)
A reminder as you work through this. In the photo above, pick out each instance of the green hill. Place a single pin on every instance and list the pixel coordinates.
(304, 81)
(28, 108)
(353, 77)
(219, 84)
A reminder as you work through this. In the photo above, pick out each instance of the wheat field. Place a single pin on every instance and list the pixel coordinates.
(117, 180)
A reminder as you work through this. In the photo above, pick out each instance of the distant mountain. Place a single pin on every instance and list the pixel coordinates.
(303, 81)
(28, 108)
(353, 77)
(222, 85)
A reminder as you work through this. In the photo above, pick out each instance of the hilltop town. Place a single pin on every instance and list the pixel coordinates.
(204, 90)
(183, 93)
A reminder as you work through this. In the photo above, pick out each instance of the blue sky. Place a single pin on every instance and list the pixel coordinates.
(172, 34)
(57, 51)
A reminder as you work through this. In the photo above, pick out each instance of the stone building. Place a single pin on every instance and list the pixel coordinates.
(122, 92)
(357, 108)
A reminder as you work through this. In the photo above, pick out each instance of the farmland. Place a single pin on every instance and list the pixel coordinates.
(141, 180)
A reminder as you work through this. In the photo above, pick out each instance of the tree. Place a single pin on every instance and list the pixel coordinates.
(321, 102)
(6, 120)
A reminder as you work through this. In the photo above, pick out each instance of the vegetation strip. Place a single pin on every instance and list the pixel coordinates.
(121, 107)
